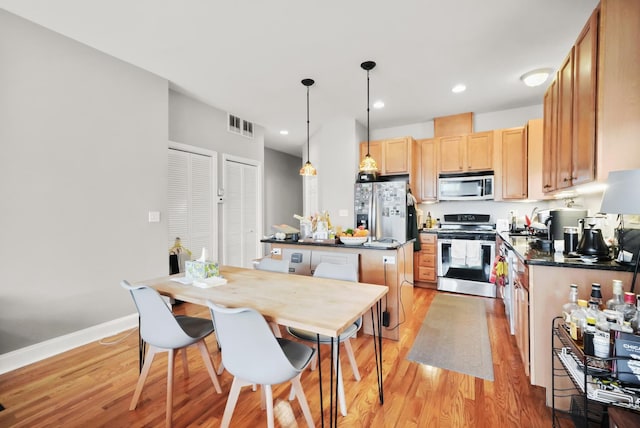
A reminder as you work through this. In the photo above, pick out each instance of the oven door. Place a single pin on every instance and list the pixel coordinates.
(464, 266)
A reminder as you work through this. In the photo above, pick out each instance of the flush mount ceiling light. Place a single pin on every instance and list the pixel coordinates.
(378, 104)
(308, 169)
(536, 77)
(284, 132)
(368, 164)
(458, 88)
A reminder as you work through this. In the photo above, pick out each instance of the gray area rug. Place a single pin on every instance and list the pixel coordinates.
(454, 336)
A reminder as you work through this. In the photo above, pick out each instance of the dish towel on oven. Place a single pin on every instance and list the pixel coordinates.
(474, 254)
(458, 252)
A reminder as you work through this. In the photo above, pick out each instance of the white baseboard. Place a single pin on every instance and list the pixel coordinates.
(31, 354)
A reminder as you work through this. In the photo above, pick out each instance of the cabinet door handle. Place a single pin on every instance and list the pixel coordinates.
(565, 179)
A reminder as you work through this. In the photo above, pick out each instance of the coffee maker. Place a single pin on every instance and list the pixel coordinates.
(559, 218)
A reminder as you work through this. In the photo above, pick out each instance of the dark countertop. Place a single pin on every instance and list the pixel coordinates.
(336, 244)
(521, 244)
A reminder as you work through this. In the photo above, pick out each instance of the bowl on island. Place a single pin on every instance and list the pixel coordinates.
(353, 240)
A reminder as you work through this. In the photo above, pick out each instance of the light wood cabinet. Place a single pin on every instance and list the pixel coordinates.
(514, 163)
(591, 108)
(550, 138)
(463, 153)
(428, 169)
(396, 156)
(424, 263)
(535, 154)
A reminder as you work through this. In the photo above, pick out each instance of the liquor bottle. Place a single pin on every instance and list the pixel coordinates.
(628, 308)
(602, 338)
(596, 295)
(429, 221)
(572, 304)
(617, 298)
(578, 321)
(587, 337)
(635, 321)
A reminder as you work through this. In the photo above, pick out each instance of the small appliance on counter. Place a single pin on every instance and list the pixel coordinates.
(560, 218)
(592, 242)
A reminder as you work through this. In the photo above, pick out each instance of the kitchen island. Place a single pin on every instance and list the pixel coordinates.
(396, 273)
(546, 289)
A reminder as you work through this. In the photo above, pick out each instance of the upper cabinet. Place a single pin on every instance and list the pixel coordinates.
(396, 156)
(514, 163)
(591, 109)
(464, 153)
(428, 169)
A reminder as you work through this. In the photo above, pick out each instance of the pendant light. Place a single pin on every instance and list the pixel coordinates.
(308, 169)
(368, 164)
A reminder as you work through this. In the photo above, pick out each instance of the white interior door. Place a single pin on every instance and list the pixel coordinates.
(192, 212)
(242, 211)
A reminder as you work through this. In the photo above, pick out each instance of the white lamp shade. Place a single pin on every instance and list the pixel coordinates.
(622, 195)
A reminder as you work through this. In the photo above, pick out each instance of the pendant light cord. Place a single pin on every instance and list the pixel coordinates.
(308, 155)
(368, 138)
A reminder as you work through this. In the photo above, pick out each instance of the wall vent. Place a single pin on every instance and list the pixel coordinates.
(239, 126)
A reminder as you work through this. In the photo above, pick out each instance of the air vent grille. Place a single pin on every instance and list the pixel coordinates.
(239, 126)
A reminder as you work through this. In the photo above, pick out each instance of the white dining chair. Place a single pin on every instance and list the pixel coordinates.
(345, 272)
(253, 355)
(273, 265)
(164, 332)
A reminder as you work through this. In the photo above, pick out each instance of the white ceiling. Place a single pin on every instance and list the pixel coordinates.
(248, 57)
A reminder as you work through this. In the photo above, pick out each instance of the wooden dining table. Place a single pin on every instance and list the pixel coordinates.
(320, 305)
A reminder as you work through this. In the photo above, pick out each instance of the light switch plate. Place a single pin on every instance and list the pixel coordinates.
(154, 216)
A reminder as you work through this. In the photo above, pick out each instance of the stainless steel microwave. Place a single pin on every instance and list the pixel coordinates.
(465, 187)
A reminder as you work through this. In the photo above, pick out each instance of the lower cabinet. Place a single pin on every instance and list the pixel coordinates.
(424, 263)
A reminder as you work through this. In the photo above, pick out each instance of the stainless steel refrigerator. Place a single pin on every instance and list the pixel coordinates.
(381, 207)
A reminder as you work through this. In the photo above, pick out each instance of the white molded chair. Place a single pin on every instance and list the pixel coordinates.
(253, 355)
(165, 332)
(273, 265)
(345, 272)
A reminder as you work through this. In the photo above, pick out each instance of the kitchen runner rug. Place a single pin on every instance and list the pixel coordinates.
(454, 336)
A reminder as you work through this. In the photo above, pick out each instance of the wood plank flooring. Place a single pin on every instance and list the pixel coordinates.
(92, 386)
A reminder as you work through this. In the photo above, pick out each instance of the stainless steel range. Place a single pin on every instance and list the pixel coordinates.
(466, 251)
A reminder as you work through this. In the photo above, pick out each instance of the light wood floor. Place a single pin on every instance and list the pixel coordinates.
(92, 386)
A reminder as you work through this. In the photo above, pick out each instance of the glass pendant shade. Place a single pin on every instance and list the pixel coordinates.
(368, 164)
(308, 169)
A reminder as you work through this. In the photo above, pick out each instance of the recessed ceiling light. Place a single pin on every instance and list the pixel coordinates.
(536, 77)
(378, 104)
(284, 132)
(458, 88)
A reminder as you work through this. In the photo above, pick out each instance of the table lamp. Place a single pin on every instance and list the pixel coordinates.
(622, 196)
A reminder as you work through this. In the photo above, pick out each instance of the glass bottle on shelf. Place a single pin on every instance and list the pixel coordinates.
(628, 308)
(602, 339)
(596, 294)
(635, 321)
(572, 304)
(617, 298)
(587, 337)
(578, 321)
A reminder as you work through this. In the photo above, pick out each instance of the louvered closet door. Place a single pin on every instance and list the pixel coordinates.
(190, 193)
(241, 213)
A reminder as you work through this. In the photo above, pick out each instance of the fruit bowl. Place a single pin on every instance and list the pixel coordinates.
(353, 240)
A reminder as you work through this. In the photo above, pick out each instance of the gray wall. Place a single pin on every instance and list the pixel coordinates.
(83, 138)
(282, 189)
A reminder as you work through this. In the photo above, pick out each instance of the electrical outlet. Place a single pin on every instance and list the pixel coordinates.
(276, 251)
(389, 260)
